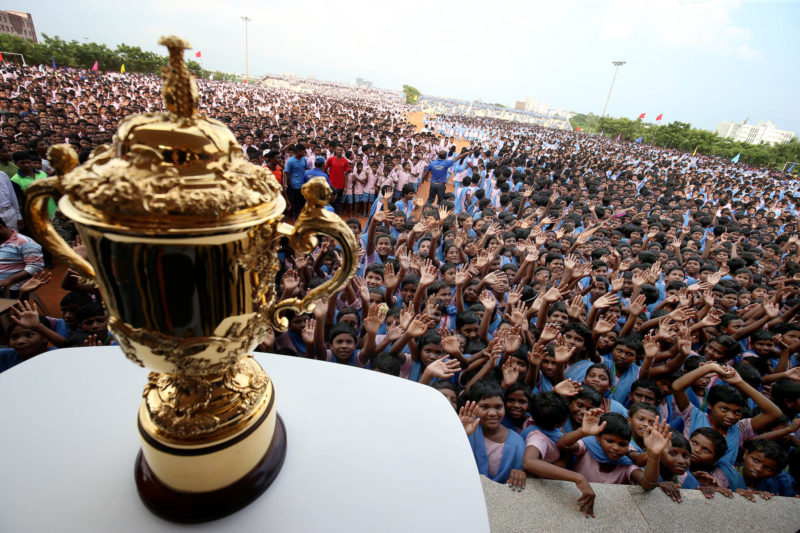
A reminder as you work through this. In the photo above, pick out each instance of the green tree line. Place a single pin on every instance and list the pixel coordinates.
(84, 54)
(682, 136)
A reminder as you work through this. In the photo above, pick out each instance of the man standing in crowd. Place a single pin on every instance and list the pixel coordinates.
(437, 171)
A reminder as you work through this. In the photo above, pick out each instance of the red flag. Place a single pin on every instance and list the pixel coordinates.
(642, 115)
(659, 117)
(94, 67)
(1, 57)
(576, 129)
(197, 54)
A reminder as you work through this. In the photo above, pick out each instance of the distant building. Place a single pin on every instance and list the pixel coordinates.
(764, 131)
(361, 82)
(19, 24)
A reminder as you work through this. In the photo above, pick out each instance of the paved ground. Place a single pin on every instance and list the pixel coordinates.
(546, 505)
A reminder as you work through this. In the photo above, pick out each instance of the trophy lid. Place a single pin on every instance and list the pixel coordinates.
(169, 165)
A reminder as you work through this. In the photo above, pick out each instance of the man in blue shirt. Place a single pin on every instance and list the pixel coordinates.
(294, 176)
(437, 171)
(317, 171)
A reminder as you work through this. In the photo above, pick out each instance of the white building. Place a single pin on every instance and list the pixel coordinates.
(764, 131)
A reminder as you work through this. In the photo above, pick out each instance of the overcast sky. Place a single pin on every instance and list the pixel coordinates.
(700, 61)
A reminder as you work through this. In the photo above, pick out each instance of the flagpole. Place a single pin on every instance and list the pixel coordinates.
(617, 64)
(246, 52)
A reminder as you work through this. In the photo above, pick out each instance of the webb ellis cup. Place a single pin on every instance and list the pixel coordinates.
(181, 233)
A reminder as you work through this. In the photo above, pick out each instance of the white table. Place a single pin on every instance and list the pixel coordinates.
(366, 452)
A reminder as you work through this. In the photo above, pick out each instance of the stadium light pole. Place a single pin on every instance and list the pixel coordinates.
(246, 58)
(617, 64)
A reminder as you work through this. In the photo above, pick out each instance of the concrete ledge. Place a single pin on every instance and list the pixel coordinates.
(547, 505)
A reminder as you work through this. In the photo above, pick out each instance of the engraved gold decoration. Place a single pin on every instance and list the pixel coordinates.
(181, 233)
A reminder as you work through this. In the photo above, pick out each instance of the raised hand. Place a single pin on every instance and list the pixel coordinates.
(469, 417)
(651, 348)
(563, 352)
(428, 275)
(603, 326)
(308, 332)
(443, 368)
(464, 274)
(389, 276)
(25, 314)
(513, 340)
(536, 355)
(291, 281)
(487, 301)
(552, 295)
(657, 437)
(637, 306)
(420, 325)
(37, 280)
(771, 310)
(606, 301)
(510, 372)
(450, 342)
(591, 424)
(320, 308)
(576, 308)
(568, 388)
(375, 317)
(549, 333)
(515, 295)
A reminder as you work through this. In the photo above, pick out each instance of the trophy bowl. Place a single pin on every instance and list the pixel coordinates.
(181, 234)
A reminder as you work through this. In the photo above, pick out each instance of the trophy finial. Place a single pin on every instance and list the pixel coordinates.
(178, 88)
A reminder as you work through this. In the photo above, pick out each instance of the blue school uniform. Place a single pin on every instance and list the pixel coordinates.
(594, 449)
(513, 450)
(699, 419)
(689, 481)
(9, 358)
(577, 371)
(552, 434)
(622, 388)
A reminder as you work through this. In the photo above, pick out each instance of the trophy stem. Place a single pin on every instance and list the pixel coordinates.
(194, 507)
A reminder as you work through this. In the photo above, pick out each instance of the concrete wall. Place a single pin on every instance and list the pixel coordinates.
(546, 505)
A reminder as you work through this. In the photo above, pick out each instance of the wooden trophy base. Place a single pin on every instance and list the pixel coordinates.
(193, 507)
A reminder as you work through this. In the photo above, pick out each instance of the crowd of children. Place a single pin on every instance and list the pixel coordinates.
(594, 311)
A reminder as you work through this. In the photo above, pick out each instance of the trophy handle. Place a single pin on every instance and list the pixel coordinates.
(314, 219)
(37, 195)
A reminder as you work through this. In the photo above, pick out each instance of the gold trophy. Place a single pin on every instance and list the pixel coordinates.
(181, 233)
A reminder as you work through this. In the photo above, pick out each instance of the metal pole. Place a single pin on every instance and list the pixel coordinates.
(616, 64)
(246, 51)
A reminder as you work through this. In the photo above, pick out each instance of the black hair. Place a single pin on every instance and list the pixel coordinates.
(649, 384)
(716, 438)
(589, 394)
(727, 394)
(770, 449)
(386, 363)
(616, 424)
(785, 390)
(76, 299)
(466, 317)
(679, 441)
(549, 410)
(632, 341)
(89, 310)
(342, 328)
(638, 406)
(485, 388)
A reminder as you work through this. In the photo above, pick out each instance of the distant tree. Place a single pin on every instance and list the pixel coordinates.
(412, 94)
(682, 136)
